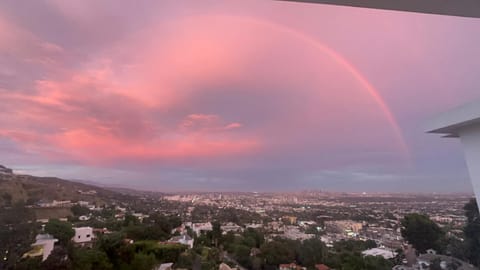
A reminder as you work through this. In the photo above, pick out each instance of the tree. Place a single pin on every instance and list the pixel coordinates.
(143, 261)
(57, 260)
(422, 232)
(353, 246)
(112, 244)
(130, 220)
(185, 260)
(91, 259)
(472, 232)
(242, 254)
(352, 262)
(28, 264)
(256, 235)
(311, 252)
(61, 230)
(79, 210)
(278, 251)
(16, 234)
(216, 232)
(377, 263)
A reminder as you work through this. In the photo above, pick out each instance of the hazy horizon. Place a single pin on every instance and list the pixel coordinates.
(240, 96)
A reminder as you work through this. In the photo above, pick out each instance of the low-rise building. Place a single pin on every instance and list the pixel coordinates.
(83, 235)
(230, 227)
(291, 266)
(183, 239)
(43, 246)
(198, 228)
(165, 266)
(383, 252)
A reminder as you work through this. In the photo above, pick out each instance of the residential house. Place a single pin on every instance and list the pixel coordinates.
(83, 235)
(184, 239)
(43, 246)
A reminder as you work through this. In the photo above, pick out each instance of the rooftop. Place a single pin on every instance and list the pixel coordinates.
(449, 123)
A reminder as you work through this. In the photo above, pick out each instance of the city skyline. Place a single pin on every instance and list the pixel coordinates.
(247, 96)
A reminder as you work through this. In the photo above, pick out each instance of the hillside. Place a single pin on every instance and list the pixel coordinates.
(29, 189)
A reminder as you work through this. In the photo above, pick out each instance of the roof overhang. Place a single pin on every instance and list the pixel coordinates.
(451, 122)
(462, 8)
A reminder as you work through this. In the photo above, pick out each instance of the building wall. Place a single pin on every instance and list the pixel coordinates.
(48, 248)
(82, 235)
(470, 138)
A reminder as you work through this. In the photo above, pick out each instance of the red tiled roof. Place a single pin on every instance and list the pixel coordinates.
(322, 267)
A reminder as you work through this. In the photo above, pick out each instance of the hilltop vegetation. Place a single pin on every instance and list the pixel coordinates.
(29, 190)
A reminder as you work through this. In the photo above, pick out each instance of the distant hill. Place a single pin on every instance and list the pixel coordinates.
(32, 189)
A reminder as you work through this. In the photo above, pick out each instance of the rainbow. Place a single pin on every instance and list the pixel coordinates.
(316, 44)
(344, 63)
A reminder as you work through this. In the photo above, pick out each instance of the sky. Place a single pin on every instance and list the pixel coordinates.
(234, 95)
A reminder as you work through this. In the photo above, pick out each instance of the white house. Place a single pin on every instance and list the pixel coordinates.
(43, 246)
(231, 227)
(184, 239)
(385, 253)
(83, 235)
(198, 228)
(165, 266)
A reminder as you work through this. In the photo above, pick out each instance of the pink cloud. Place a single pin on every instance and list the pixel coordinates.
(139, 100)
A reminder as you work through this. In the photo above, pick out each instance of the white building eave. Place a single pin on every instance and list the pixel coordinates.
(464, 123)
(451, 122)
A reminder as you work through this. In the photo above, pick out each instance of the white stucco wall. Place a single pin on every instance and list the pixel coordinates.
(470, 137)
(48, 246)
(83, 234)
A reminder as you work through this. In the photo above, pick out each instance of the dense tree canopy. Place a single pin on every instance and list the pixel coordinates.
(61, 230)
(422, 232)
(91, 259)
(472, 232)
(312, 251)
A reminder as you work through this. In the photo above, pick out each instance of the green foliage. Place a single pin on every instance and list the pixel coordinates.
(28, 264)
(146, 232)
(16, 233)
(472, 232)
(377, 263)
(279, 251)
(355, 261)
(256, 235)
(240, 246)
(15, 215)
(91, 259)
(311, 252)
(113, 246)
(156, 227)
(353, 246)
(61, 230)
(58, 260)
(78, 210)
(422, 232)
(216, 234)
(16, 240)
(122, 255)
(205, 213)
(242, 254)
(162, 252)
(130, 220)
(186, 259)
(142, 261)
